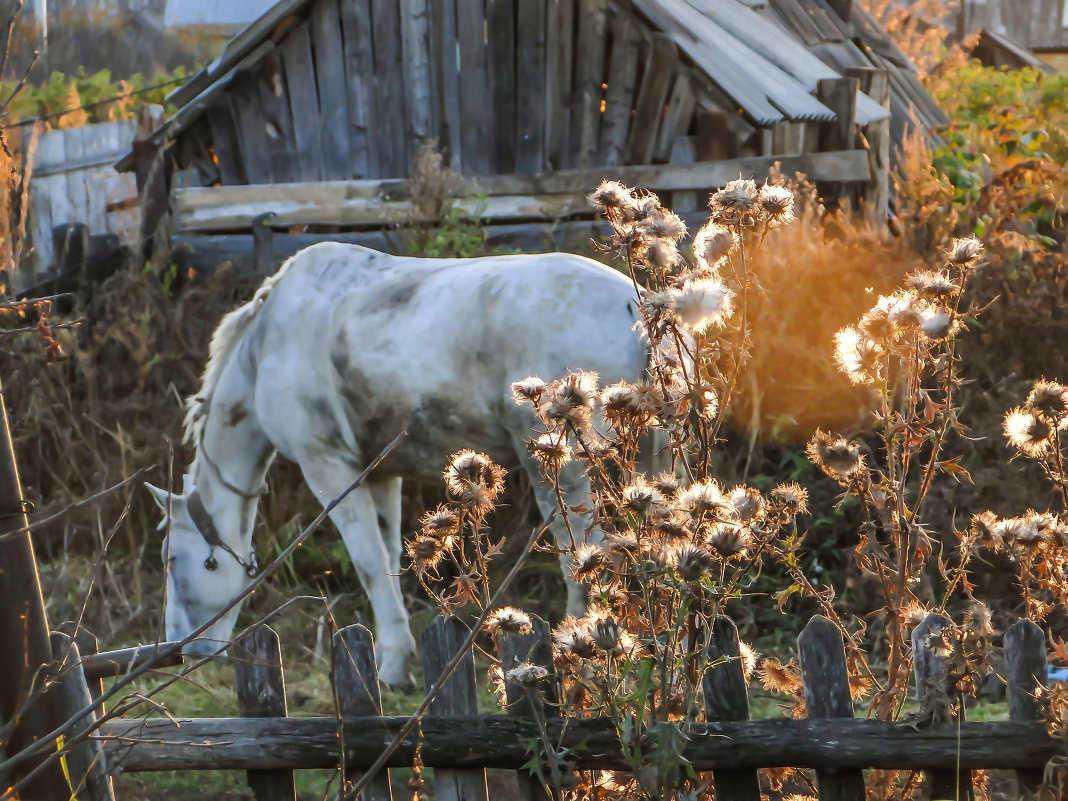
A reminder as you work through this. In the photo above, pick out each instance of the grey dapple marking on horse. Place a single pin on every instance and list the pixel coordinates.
(338, 352)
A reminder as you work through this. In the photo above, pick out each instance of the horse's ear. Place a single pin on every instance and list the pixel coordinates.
(160, 496)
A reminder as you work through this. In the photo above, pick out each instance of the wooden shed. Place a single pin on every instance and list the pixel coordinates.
(315, 111)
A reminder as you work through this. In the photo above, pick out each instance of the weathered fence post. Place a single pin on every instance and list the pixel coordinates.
(727, 698)
(826, 682)
(23, 621)
(86, 765)
(839, 95)
(261, 693)
(515, 648)
(441, 640)
(875, 83)
(356, 694)
(88, 646)
(1025, 664)
(929, 669)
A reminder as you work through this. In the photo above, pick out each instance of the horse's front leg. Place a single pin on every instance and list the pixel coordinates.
(374, 554)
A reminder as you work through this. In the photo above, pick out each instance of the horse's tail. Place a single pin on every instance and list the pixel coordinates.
(223, 342)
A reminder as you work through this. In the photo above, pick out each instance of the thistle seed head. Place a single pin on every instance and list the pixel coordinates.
(713, 243)
(792, 496)
(552, 450)
(703, 304)
(1027, 431)
(777, 203)
(965, 252)
(529, 390)
(837, 457)
(509, 619)
(1049, 399)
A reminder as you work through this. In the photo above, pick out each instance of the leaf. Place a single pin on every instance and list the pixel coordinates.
(953, 468)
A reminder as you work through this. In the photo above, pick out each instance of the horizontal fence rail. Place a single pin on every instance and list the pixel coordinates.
(502, 741)
(461, 744)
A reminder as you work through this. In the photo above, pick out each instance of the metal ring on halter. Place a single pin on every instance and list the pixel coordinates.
(206, 527)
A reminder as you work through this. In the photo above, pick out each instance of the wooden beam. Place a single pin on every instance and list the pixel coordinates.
(875, 83)
(360, 86)
(502, 741)
(415, 47)
(501, 55)
(619, 99)
(330, 79)
(476, 125)
(588, 76)
(389, 89)
(560, 36)
(541, 196)
(304, 102)
(374, 212)
(649, 107)
(530, 88)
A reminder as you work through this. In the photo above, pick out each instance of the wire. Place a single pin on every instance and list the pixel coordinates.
(55, 114)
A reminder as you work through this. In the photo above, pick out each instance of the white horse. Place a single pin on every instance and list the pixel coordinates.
(338, 352)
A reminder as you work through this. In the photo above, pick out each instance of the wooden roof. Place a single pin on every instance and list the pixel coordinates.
(1036, 24)
(857, 40)
(516, 86)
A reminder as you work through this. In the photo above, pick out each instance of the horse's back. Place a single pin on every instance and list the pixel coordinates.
(378, 343)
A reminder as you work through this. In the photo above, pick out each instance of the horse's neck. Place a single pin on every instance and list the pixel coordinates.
(229, 470)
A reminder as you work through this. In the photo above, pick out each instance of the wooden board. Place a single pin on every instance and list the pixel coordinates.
(677, 118)
(545, 196)
(389, 118)
(586, 88)
(501, 54)
(251, 129)
(503, 741)
(303, 102)
(224, 143)
(619, 100)
(77, 191)
(333, 92)
(530, 88)
(372, 212)
(559, 58)
(446, 80)
(477, 120)
(360, 94)
(279, 121)
(648, 108)
(415, 49)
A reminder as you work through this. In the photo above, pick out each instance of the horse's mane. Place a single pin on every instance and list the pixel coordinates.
(223, 343)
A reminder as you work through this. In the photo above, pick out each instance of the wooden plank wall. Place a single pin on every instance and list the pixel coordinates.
(73, 181)
(505, 86)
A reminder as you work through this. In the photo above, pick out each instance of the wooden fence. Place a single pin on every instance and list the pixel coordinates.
(73, 180)
(459, 743)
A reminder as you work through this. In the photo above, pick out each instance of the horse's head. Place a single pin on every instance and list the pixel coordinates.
(203, 575)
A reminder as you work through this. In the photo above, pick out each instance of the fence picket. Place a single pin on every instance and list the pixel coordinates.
(929, 669)
(826, 681)
(85, 763)
(441, 640)
(727, 698)
(1025, 663)
(357, 694)
(261, 693)
(514, 649)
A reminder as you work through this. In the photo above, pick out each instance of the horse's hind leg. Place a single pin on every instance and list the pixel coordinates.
(386, 495)
(375, 555)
